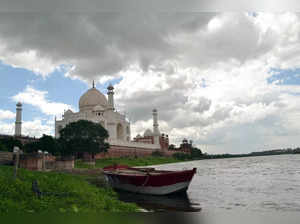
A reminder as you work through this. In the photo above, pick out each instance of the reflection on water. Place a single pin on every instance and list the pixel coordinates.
(176, 202)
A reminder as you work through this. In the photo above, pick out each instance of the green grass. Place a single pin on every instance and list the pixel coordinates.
(73, 194)
(130, 161)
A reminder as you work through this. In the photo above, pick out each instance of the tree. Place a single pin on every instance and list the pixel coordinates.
(31, 147)
(172, 147)
(49, 144)
(45, 143)
(297, 151)
(196, 153)
(83, 136)
(3, 147)
(10, 142)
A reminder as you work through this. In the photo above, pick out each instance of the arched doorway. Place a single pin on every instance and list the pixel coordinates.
(120, 132)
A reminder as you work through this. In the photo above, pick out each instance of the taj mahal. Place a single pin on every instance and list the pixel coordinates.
(96, 107)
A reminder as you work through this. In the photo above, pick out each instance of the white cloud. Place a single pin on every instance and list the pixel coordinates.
(37, 128)
(34, 128)
(29, 60)
(39, 99)
(6, 114)
(7, 128)
(102, 45)
(239, 111)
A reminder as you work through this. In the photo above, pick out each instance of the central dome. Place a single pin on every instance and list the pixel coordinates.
(92, 98)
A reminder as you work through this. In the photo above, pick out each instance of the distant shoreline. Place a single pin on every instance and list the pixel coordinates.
(252, 154)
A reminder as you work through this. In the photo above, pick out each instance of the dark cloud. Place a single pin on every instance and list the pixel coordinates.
(145, 5)
(98, 43)
(140, 105)
(101, 5)
(106, 43)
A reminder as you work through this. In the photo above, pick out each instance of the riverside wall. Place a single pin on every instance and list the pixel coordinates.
(6, 158)
(116, 151)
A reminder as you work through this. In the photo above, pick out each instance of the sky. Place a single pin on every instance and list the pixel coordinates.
(228, 81)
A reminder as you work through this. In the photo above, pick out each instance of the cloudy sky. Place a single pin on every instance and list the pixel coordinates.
(228, 81)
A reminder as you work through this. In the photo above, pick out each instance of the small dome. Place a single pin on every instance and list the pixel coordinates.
(92, 98)
(147, 133)
(98, 108)
(138, 136)
(19, 104)
(68, 112)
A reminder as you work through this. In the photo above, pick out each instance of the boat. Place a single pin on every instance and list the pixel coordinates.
(148, 180)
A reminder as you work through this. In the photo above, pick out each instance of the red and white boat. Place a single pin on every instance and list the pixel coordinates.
(148, 180)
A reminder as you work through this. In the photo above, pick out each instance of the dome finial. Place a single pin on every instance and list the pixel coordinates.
(93, 83)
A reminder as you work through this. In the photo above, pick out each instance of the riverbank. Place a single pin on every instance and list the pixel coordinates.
(61, 192)
(179, 157)
(130, 161)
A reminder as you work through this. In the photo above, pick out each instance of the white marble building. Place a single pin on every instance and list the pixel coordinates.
(95, 107)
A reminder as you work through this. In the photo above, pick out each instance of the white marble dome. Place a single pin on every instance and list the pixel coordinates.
(92, 98)
(147, 133)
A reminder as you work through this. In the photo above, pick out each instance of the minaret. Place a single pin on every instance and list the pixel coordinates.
(156, 132)
(18, 124)
(110, 93)
(55, 128)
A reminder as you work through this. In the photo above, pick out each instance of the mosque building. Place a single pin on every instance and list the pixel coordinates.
(95, 107)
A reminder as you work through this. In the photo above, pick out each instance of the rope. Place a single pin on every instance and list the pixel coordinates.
(147, 178)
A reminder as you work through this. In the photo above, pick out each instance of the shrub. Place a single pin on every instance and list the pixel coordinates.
(181, 156)
(157, 153)
(10, 142)
(65, 193)
(3, 147)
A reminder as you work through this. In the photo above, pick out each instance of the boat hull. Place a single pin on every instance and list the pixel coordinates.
(162, 190)
(166, 182)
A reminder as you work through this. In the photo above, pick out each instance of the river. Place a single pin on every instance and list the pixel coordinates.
(255, 184)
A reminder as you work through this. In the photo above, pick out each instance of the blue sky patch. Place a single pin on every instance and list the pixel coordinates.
(285, 76)
(59, 88)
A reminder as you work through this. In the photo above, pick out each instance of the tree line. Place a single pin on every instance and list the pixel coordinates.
(76, 138)
(88, 137)
(197, 154)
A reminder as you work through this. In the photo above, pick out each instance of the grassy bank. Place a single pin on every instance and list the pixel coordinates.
(64, 193)
(142, 161)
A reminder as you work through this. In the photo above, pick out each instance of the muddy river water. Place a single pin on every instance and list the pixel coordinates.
(255, 184)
